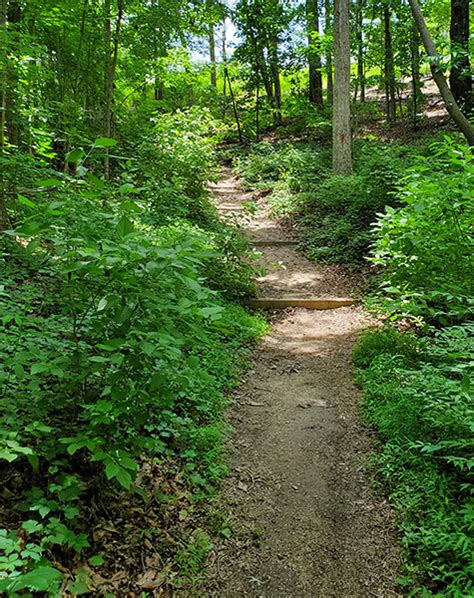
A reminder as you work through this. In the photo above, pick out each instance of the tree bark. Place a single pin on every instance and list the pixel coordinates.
(4, 220)
(327, 30)
(212, 46)
(360, 51)
(212, 55)
(460, 78)
(451, 105)
(341, 129)
(314, 54)
(415, 72)
(390, 99)
(111, 48)
(275, 71)
(12, 125)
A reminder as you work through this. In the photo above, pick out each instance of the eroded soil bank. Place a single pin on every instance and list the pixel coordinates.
(306, 520)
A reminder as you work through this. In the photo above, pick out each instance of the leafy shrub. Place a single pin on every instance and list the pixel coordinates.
(114, 347)
(418, 396)
(425, 247)
(297, 166)
(335, 226)
(333, 214)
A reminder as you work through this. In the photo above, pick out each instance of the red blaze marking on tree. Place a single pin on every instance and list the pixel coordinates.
(343, 137)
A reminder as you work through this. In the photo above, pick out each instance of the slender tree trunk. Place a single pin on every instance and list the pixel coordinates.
(415, 72)
(275, 71)
(112, 47)
(390, 98)
(314, 54)
(4, 222)
(341, 129)
(360, 50)
(212, 55)
(460, 78)
(328, 30)
(234, 106)
(212, 46)
(451, 105)
(82, 31)
(224, 62)
(12, 126)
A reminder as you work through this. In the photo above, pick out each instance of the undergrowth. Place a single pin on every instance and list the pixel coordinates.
(119, 341)
(418, 395)
(418, 390)
(332, 214)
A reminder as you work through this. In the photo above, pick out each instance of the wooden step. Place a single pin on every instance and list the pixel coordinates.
(316, 303)
(235, 208)
(273, 243)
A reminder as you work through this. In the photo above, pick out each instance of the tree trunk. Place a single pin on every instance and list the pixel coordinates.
(275, 70)
(12, 125)
(327, 30)
(234, 106)
(460, 78)
(212, 46)
(212, 55)
(415, 73)
(390, 99)
(111, 48)
(360, 50)
(451, 105)
(314, 54)
(341, 128)
(4, 220)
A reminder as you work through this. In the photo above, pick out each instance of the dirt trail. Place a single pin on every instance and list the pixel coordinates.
(306, 520)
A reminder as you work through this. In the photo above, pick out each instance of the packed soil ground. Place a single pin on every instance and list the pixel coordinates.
(306, 519)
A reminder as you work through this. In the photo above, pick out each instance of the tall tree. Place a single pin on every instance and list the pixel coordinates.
(389, 70)
(314, 53)
(212, 42)
(261, 24)
(449, 100)
(359, 22)
(460, 78)
(112, 40)
(329, 50)
(341, 126)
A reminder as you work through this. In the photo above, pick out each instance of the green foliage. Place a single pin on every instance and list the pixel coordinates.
(334, 214)
(419, 397)
(425, 247)
(115, 344)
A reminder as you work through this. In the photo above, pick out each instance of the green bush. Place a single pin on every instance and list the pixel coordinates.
(418, 396)
(336, 218)
(115, 346)
(425, 246)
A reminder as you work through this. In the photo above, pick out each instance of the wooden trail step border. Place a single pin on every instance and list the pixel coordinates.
(273, 243)
(225, 208)
(315, 303)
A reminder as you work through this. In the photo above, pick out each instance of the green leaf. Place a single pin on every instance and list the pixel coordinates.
(49, 183)
(32, 526)
(97, 560)
(111, 470)
(39, 368)
(41, 579)
(211, 312)
(124, 478)
(105, 142)
(75, 155)
(125, 226)
(25, 201)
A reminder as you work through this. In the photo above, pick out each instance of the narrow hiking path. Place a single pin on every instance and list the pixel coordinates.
(306, 520)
